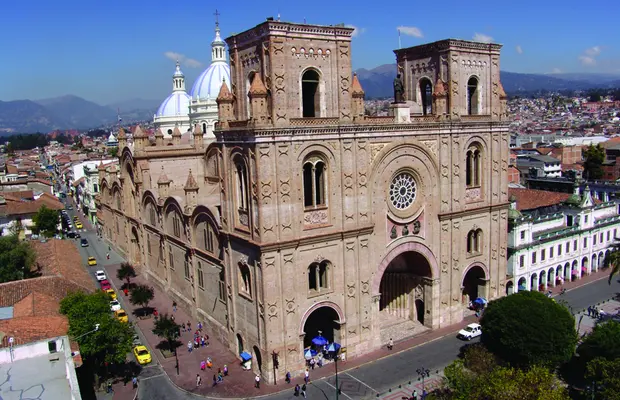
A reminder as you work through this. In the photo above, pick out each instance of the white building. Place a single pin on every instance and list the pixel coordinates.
(85, 185)
(557, 240)
(203, 105)
(35, 368)
(173, 112)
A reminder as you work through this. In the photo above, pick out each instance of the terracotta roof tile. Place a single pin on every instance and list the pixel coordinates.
(225, 93)
(529, 199)
(35, 304)
(191, 183)
(257, 87)
(356, 86)
(32, 329)
(61, 257)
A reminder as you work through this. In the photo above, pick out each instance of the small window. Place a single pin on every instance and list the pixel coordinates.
(522, 235)
(473, 167)
(310, 93)
(222, 286)
(575, 245)
(152, 216)
(522, 261)
(567, 247)
(246, 280)
(201, 278)
(148, 244)
(594, 240)
(170, 257)
(314, 183)
(601, 237)
(550, 252)
(534, 257)
(51, 345)
(95, 188)
(559, 249)
(426, 94)
(187, 273)
(318, 276)
(585, 219)
(176, 225)
(608, 233)
(473, 93)
(585, 242)
(543, 255)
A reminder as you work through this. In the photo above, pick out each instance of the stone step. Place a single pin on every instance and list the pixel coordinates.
(400, 329)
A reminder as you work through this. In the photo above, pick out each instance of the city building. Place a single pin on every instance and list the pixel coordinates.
(203, 104)
(305, 217)
(555, 237)
(539, 165)
(18, 208)
(173, 111)
(82, 179)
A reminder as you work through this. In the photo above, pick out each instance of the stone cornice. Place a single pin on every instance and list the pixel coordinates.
(294, 243)
(155, 152)
(292, 30)
(447, 45)
(473, 211)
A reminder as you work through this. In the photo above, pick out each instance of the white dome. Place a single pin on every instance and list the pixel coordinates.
(177, 104)
(208, 84)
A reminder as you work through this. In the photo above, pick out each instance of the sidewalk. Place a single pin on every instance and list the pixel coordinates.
(239, 383)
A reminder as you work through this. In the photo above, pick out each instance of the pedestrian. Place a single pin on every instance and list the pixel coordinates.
(183, 326)
(257, 381)
(209, 363)
(107, 256)
(190, 346)
(110, 390)
(174, 306)
(214, 380)
(189, 326)
(225, 370)
(134, 381)
(198, 380)
(303, 390)
(390, 345)
(287, 377)
(297, 389)
(414, 395)
(312, 362)
(200, 326)
(203, 365)
(220, 377)
(202, 341)
(306, 376)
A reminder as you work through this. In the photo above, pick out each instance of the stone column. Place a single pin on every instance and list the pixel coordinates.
(431, 302)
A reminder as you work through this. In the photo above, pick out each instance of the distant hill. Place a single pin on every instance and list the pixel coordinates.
(68, 112)
(377, 82)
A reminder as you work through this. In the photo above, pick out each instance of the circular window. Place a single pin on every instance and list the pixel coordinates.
(402, 191)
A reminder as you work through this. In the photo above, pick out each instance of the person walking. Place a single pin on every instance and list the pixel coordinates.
(198, 380)
(390, 345)
(303, 390)
(287, 377)
(414, 395)
(306, 376)
(174, 306)
(134, 381)
(257, 381)
(297, 390)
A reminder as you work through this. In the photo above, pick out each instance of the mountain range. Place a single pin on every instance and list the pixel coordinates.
(72, 112)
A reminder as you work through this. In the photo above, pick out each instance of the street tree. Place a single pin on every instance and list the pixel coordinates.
(528, 328)
(17, 259)
(594, 156)
(125, 273)
(167, 329)
(110, 343)
(45, 221)
(141, 295)
(113, 152)
(613, 260)
(603, 378)
(602, 342)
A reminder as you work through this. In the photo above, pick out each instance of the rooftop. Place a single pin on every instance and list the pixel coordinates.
(529, 199)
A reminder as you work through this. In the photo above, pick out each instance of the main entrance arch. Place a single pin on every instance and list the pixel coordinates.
(474, 283)
(323, 319)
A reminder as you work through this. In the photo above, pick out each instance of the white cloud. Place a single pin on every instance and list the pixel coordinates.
(189, 62)
(556, 71)
(481, 37)
(587, 61)
(519, 49)
(593, 51)
(358, 31)
(410, 31)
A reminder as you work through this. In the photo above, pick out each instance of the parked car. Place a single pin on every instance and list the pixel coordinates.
(71, 234)
(115, 305)
(469, 332)
(100, 274)
(105, 285)
(78, 225)
(84, 243)
(111, 293)
(93, 261)
(142, 354)
(121, 315)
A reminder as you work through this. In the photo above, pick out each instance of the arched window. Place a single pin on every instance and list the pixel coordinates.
(318, 276)
(315, 187)
(474, 241)
(152, 215)
(473, 94)
(241, 189)
(250, 79)
(204, 128)
(310, 94)
(222, 285)
(118, 200)
(426, 94)
(245, 281)
(473, 167)
(176, 224)
(201, 278)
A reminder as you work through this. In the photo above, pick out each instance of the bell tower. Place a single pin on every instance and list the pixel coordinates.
(306, 70)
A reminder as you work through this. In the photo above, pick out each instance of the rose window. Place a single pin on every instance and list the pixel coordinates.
(402, 191)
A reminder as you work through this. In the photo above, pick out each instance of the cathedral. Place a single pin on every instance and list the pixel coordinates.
(303, 216)
(199, 107)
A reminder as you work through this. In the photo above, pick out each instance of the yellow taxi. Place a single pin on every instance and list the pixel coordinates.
(92, 261)
(75, 218)
(142, 354)
(121, 315)
(111, 293)
(78, 225)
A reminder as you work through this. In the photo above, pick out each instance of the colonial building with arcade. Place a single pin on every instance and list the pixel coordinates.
(303, 214)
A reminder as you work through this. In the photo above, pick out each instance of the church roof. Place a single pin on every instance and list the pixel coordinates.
(176, 131)
(208, 83)
(175, 105)
(163, 178)
(356, 86)
(159, 133)
(139, 133)
(225, 93)
(191, 183)
(257, 87)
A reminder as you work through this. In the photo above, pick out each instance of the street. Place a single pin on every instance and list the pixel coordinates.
(364, 381)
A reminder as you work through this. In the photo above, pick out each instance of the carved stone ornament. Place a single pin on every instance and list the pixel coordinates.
(393, 234)
(272, 310)
(291, 307)
(365, 287)
(444, 267)
(319, 259)
(243, 260)
(351, 332)
(405, 230)
(416, 227)
(243, 219)
(316, 217)
(351, 290)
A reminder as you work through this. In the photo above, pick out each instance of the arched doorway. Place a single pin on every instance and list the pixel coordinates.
(534, 282)
(474, 284)
(136, 252)
(567, 272)
(258, 358)
(402, 287)
(239, 344)
(522, 285)
(550, 280)
(310, 94)
(509, 287)
(324, 321)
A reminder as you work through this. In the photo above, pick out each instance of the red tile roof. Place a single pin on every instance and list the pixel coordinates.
(18, 206)
(529, 199)
(61, 257)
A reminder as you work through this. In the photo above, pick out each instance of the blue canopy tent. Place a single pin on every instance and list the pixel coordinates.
(245, 356)
(333, 347)
(309, 354)
(480, 301)
(319, 341)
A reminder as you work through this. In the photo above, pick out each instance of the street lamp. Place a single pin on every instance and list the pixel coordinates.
(84, 334)
(423, 373)
(334, 348)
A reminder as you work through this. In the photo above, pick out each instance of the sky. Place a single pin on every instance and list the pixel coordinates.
(109, 51)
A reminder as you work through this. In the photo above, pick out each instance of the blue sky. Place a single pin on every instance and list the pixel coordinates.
(115, 50)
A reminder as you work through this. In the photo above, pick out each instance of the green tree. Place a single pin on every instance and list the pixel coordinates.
(113, 151)
(17, 259)
(496, 382)
(168, 330)
(612, 260)
(110, 343)
(141, 295)
(594, 156)
(125, 273)
(528, 328)
(603, 341)
(603, 377)
(45, 221)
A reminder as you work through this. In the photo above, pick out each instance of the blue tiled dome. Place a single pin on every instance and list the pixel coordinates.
(177, 104)
(208, 84)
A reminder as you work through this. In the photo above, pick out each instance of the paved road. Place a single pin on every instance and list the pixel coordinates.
(362, 382)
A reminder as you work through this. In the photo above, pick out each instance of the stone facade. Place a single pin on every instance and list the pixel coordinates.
(304, 215)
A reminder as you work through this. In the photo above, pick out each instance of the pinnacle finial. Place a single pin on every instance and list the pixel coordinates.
(217, 19)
